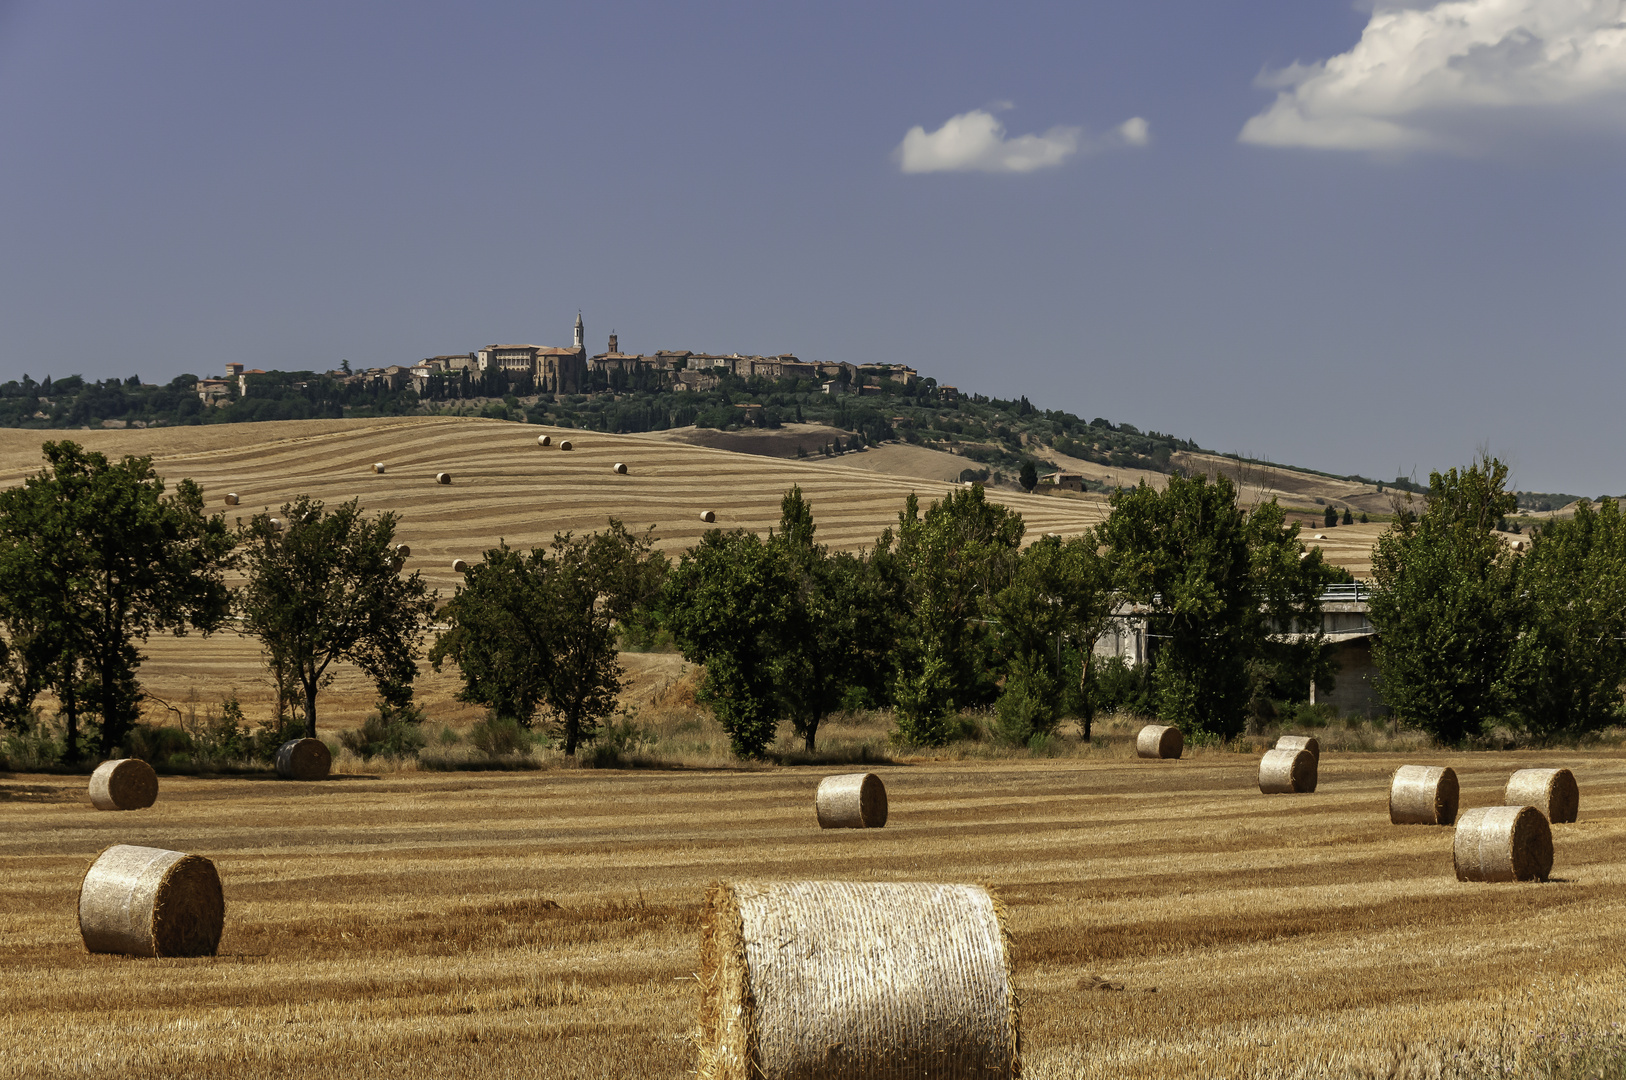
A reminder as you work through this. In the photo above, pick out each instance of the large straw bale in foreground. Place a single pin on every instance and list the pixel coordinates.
(145, 901)
(1287, 772)
(1157, 741)
(544, 440)
(231, 498)
(443, 478)
(1423, 795)
(851, 801)
(304, 759)
(846, 979)
(708, 516)
(1301, 742)
(1552, 791)
(1503, 843)
(123, 784)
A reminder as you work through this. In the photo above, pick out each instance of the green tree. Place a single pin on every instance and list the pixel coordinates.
(843, 622)
(1218, 586)
(1029, 477)
(1446, 606)
(1349, 518)
(1329, 517)
(1060, 600)
(950, 561)
(323, 587)
(1567, 668)
(95, 558)
(731, 604)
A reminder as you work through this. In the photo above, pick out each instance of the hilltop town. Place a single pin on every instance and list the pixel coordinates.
(525, 370)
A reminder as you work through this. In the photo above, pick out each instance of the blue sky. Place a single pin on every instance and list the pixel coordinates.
(1356, 239)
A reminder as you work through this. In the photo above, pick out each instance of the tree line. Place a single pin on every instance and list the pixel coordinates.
(946, 613)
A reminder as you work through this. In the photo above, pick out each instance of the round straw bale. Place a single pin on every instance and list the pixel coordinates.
(403, 550)
(1423, 795)
(459, 565)
(144, 901)
(397, 564)
(1503, 843)
(378, 466)
(708, 516)
(123, 784)
(304, 759)
(443, 478)
(1319, 536)
(851, 801)
(856, 979)
(621, 468)
(231, 498)
(1301, 742)
(544, 440)
(564, 444)
(1552, 791)
(1157, 741)
(1287, 772)
(277, 523)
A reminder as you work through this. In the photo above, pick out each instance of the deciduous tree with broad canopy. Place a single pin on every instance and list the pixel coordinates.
(538, 630)
(324, 587)
(1220, 586)
(95, 557)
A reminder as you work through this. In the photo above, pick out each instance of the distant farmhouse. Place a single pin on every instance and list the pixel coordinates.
(543, 369)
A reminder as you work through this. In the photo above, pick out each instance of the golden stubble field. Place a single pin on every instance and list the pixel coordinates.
(544, 924)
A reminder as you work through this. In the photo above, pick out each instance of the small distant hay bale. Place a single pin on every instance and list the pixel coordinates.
(1319, 536)
(851, 801)
(231, 498)
(443, 478)
(1552, 791)
(277, 524)
(708, 516)
(397, 564)
(403, 550)
(564, 444)
(1301, 742)
(459, 565)
(856, 979)
(1423, 795)
(142, 901)
(378, 466)
(123, 784)
(304, 759)
(1287, 772)
(544, 440)
(621, 468)
(1157, 741)
(1503, 843)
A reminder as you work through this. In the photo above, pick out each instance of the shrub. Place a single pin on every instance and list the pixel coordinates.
(1026, 709)
(500, 736)
(384, 736)
(1116, 686)
(160, 747)
(36, 746)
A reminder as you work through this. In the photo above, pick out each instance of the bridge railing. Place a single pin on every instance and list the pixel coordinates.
(1346, 594)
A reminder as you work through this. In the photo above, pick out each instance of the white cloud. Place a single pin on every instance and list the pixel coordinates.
(1135, 131)
(976, 142)
(1415, 70)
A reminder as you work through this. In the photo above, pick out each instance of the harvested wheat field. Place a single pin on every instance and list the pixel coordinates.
(1168, 920)
(505, 486)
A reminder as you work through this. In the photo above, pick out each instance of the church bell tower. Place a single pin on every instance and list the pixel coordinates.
(580, 331)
